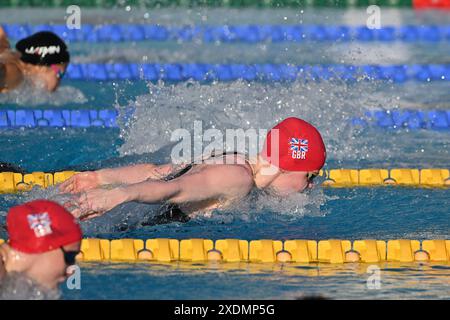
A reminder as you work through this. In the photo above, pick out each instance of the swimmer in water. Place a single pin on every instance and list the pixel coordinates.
(292, 156)
(42, 58)
(44, 240)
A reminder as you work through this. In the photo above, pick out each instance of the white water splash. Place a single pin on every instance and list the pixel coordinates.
(28, 95)
(328, 105)
(17, 286)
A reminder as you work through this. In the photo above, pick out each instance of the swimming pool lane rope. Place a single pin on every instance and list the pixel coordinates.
(91, 33)
(335, 251)
(397, 119)
(203, 72)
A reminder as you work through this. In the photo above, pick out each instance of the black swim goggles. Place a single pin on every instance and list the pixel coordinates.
(58, 72)
(311, 176)
(70, 256)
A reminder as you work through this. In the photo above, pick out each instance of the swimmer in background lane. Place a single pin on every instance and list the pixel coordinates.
(44, 240)
(299, 154)
(42, 57)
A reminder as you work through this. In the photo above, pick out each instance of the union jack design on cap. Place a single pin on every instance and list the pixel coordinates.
(40, 223)
(299, 145)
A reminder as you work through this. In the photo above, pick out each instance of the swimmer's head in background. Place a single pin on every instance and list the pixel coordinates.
(41, 226)
(43, 48)
(295, 145)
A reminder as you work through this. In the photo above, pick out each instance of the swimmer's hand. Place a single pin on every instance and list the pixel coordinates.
(96, 202)
(81, 182)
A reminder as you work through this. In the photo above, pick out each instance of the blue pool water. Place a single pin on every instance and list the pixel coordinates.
(350, 213)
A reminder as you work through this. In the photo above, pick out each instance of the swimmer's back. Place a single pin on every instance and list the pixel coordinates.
(10, 73)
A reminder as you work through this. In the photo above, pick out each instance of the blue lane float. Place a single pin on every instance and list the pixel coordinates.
(177, 72)
(235, 33)
(32, 118)
(107, 118)
(405, 119)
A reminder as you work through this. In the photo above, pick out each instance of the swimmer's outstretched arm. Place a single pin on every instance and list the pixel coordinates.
(134, 174)
(124, 175)
(224, 182)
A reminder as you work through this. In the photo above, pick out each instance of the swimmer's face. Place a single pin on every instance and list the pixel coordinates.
(289, 182)
(52, 267)
(58, 72)
(51, 75)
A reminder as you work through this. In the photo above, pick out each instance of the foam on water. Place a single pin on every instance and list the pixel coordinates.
(28, 95)
(295, 206)
(308, 52)
(234, 105)
(17, 286)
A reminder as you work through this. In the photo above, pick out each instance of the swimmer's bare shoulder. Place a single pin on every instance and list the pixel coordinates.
(4, 42)
(233, 180)
(210, 182)
(10, 74)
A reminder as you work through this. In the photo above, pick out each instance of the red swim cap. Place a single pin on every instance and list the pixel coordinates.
(299, 146)
(41, 226)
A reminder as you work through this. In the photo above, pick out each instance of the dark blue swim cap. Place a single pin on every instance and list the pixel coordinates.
(43, 48)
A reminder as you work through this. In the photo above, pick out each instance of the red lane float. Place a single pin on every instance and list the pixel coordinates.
(431, 4)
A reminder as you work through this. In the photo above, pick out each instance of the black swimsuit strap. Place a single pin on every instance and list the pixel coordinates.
(225, 153)
(189, 166)
(178, 173)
